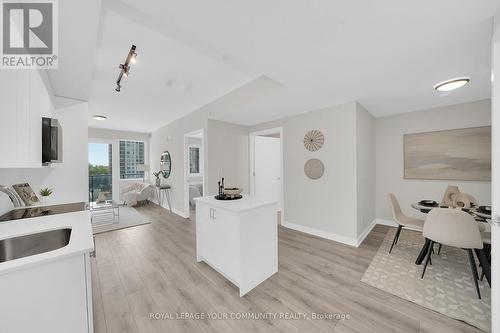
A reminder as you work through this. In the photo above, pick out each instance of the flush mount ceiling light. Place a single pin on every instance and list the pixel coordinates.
(125, 67)
(98, 117)
(452, 84)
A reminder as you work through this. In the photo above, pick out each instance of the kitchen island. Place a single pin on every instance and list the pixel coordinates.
(238, 238)
(45, 283)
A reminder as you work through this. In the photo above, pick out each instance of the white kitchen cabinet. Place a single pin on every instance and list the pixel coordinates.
(238, 239)
(24, 100)
(52, 297)
(50, 291)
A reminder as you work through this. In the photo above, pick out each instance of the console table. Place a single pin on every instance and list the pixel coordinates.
(161, 192)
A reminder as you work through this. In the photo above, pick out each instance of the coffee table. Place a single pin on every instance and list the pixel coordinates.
(104, 213)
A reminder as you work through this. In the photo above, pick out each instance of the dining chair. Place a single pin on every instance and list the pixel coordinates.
(403, 221)
(486, 236)
(453, 227)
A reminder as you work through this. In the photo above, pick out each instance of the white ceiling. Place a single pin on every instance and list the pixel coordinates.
(169, 79)
(284, 57)
(78, 28)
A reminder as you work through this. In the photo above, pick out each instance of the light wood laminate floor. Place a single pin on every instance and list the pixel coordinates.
(152, 269)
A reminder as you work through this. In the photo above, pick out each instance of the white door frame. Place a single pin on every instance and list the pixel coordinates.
(251, 142)
(186, 166)
(495, 188)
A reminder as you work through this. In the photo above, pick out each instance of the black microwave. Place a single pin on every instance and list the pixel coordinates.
(51, 141)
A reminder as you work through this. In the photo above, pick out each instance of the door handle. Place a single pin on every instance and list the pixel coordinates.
(213, 214)
(496, 220)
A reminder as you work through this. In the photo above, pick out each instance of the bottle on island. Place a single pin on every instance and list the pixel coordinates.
(221, 188)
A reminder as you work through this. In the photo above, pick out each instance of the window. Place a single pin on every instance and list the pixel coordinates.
(100, 170)
(194, 161)
(131, 154)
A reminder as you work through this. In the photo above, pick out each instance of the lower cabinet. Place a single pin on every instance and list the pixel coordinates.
(53, 297)
(240, 245)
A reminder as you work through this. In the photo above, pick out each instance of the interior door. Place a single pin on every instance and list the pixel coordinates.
(495, 228)
(267, 168)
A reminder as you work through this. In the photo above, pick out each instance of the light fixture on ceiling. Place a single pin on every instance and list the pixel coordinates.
(125, 67)
(98, 117)
(452, 84)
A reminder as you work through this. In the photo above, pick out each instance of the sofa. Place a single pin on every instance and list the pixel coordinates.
(136, 193)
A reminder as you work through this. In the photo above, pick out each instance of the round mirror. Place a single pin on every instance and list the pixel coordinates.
(165, 164)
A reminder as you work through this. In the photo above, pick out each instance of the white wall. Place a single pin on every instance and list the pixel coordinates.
(365, 169)
(326, 206)
(389, 156)
(227, 148)
(113, 137)
(117, 135)
(69, 180)
(226, 145)
(171, 137)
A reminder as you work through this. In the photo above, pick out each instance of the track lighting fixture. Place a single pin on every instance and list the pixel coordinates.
(125, 67)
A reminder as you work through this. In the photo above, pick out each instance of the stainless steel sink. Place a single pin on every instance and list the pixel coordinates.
(28, 245)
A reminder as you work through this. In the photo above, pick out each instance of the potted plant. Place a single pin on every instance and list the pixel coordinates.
(45, 192)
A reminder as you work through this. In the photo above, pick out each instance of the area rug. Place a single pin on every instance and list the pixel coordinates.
(447, 287)
(129, 217)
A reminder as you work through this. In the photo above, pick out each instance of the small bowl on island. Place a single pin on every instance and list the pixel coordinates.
(232, 191)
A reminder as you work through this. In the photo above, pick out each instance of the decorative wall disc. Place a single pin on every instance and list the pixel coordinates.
(314, 168)
(313, 140)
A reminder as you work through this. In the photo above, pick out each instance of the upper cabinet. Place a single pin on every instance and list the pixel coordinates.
(24, 100)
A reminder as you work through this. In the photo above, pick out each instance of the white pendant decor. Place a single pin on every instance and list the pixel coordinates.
(314, 168)
(313, 140)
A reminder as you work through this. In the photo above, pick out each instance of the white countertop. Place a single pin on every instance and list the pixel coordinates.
(81, 239)
(248, 202)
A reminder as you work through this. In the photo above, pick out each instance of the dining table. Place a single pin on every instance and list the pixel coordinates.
(479, 216)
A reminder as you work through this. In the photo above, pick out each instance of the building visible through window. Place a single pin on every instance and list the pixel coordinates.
(131, 154)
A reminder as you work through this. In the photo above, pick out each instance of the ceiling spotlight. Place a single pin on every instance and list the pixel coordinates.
(452, 84)
(98, 117)
(125, 67)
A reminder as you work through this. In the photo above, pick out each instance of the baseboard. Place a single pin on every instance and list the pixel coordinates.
(366, 232)
(175, 211)
(390, 223)
(339, 238)
(320, 233)
(180, 213)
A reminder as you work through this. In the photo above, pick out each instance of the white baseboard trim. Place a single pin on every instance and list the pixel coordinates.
(175, 211)
(365, 233)
(179, 212)
(390, 223)
(320, 233)
(339, 238)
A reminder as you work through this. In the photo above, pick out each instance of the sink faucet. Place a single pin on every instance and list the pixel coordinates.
(16, 200)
